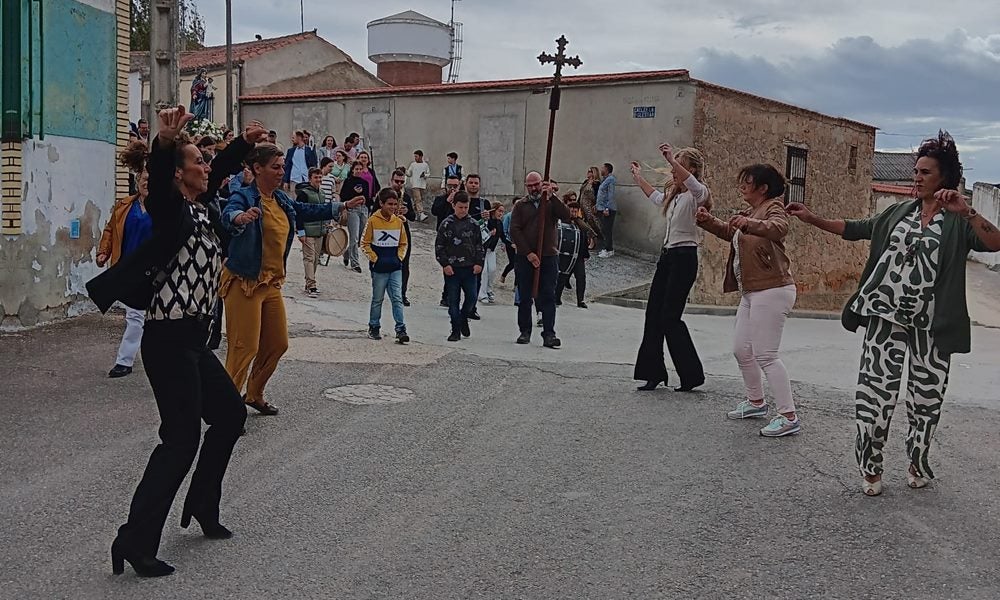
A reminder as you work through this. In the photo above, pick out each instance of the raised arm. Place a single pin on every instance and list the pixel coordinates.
(981, 235)
(714, 225)
(837, 227)
(644, 185)
(774, 225)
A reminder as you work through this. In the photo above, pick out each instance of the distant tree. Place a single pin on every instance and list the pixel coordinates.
(192, 33)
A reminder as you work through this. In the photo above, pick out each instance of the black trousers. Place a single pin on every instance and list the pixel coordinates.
(580, 273)
(546, 300)
(406, 273)
(675, 274)
(189, 384)
(608, 229)
(511, 261)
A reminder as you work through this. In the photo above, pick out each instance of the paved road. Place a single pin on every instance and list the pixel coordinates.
(510, 472)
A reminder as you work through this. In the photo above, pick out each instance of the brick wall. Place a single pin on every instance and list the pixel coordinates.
(10, 188)
(733, 129)
(409, 73)
(122, 24)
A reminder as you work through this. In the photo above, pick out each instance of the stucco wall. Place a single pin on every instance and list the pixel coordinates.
(734, 130)
(66, 172)
(986, 200)
(502, 135)
(65, 179)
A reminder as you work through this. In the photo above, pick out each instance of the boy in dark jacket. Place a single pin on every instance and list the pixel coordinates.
(459, 250)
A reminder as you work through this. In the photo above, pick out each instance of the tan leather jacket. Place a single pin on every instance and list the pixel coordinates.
(763, 262)
(114, 231)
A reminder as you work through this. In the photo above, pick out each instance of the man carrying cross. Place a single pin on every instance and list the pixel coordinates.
(533, 227)
(525, 221)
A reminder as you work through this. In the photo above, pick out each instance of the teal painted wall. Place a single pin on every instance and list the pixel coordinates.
(78, 76)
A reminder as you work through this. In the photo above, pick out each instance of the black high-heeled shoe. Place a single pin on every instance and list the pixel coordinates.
(213, 531)
(651, 385)
(144, 566)
(688, 388)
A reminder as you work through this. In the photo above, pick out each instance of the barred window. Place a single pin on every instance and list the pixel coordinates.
(795, 173)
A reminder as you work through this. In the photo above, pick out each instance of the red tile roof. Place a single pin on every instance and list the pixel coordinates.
(474, 86)
(900, 190)
(212, 57)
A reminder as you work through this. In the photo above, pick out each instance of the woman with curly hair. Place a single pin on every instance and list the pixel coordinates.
(911, 301)
(129, 226)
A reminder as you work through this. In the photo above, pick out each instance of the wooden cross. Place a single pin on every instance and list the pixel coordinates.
(560, 60)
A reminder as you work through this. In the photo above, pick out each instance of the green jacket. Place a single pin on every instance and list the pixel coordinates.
(311, 195)
(950, 325)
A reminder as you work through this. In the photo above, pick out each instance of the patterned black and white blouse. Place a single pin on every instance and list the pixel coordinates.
(901, 287)
(191, 284)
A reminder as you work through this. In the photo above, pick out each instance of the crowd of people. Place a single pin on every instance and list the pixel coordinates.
(204, 241)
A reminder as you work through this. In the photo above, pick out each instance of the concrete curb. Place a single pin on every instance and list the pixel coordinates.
(715, 311)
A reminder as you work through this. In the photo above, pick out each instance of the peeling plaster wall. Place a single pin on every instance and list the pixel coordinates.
(44, 270)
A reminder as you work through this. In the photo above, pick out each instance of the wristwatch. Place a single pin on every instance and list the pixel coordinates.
(971, 214)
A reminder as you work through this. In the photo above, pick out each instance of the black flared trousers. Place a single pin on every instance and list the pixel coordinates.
(676, 272)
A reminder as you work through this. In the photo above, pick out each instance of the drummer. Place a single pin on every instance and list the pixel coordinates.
(585, 240)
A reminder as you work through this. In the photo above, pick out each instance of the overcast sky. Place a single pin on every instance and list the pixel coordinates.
(905, 67)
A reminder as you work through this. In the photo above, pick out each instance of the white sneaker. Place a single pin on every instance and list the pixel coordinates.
(609, 253)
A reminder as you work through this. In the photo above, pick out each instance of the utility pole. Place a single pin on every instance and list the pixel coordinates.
(302, 14)
(164, 80)
(229, 64)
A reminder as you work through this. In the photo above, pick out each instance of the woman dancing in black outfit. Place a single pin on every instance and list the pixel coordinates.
(676, 272)
(188, 381)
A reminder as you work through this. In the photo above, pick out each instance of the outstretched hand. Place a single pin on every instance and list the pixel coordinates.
(248, 216)
(635, 168)
(172, 121)
(798, 210)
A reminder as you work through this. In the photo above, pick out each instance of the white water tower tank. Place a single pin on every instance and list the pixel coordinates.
(409, 48)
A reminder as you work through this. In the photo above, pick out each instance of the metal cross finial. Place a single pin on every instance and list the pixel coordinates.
(560, 59)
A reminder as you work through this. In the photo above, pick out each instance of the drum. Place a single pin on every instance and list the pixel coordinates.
(335, 241)
(569, 247)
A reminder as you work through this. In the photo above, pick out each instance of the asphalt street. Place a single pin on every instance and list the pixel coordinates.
(491, 470)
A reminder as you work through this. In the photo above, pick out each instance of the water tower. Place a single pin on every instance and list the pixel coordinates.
(410, 48)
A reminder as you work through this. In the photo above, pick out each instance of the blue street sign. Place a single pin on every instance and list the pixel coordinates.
(643, 112)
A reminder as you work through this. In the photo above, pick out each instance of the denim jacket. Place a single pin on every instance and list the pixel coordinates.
(246, 247)
(606, 195)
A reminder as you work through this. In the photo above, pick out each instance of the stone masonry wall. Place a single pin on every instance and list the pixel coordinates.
(734, 129)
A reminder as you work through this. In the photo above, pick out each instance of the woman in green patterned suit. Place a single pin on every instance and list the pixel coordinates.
(911, 301)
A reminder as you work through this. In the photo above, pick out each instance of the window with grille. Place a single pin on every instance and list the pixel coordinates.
(852, 161)
(795, 174)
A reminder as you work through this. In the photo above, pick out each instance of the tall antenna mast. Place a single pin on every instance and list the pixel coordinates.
(455, 54)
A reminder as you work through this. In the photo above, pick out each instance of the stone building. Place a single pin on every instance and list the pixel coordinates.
(498, 128)
(297, 62)
(60, 134)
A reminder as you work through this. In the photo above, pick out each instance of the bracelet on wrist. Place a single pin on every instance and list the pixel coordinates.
(971, 214)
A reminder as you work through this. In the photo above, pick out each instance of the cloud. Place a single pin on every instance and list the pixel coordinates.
(841, 57)
(909, 90)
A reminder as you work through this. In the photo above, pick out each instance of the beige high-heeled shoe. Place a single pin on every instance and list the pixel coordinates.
(871, 488)
(915, 481)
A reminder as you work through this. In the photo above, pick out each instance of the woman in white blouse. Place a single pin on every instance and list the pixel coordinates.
(676, 272)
